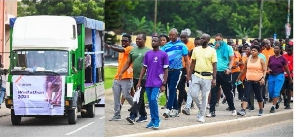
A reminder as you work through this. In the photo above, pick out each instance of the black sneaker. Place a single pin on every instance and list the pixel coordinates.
(272, 109)
(288, 107)
(223, 101)
(278, 104)
(130, 120)
(142, 119)
(211, 114)
(251, 108)
(242, 112)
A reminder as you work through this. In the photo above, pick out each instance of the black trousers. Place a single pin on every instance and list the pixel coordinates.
(251, 87)
(139, 107)
(182, 95)
(239, 87)
(226, 84)
(264, 88)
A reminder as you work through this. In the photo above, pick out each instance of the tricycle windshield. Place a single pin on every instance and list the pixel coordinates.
(40, 61)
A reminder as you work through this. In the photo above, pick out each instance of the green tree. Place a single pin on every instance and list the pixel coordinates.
(115, 14)
(136, 25)
(89, 8)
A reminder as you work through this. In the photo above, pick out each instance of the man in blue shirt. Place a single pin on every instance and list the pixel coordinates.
(225, 57)
(175, 49)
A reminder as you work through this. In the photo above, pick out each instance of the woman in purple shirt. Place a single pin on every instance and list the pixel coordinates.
(155, 65)
(276, 66)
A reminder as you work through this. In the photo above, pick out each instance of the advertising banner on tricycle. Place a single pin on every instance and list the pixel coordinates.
(38, 95)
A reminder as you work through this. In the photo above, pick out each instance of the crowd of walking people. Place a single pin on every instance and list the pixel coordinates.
(201, 72)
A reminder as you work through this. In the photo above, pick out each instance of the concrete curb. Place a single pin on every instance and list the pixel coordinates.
(215, 128)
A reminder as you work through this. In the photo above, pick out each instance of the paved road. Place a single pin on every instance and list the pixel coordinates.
(123, 128)
(280, 129)
(55, 127)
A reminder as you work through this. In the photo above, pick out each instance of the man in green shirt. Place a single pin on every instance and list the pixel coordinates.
(136, 56)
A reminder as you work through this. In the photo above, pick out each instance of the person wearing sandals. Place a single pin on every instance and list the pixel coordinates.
(277, 64)
(255, 70)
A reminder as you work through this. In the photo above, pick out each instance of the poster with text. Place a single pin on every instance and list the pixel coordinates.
(38, 95)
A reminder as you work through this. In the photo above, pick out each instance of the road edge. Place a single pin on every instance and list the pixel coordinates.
(215, 128)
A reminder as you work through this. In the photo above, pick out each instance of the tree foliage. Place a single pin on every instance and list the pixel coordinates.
(89, 8)
(230, 17)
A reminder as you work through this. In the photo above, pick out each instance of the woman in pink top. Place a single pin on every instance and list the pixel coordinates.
(255, 69)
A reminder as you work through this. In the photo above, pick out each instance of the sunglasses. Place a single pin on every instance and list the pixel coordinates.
(124, 41)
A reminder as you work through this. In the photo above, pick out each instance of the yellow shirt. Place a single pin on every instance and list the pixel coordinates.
(204, 58)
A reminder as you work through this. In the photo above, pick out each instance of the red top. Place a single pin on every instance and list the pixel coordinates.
(289, 59)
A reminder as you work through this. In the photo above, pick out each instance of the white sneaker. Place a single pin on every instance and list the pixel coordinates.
(199, 114)
(173, 113)
(234, 112)
(166, 114)
(202, 119)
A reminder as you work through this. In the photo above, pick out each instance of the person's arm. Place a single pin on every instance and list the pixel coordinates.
(243, 71)
(163, 86)
(288, 72)
(192, 67)
(187, 66)
(115, 48)
(264, 71)
(142, 72)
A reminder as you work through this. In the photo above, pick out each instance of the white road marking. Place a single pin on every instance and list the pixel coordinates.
(80, 128)
(102, 117)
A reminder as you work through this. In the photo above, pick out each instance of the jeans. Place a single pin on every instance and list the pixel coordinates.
(152, 95)
(2, 93)
(172, 81)
(275, 84)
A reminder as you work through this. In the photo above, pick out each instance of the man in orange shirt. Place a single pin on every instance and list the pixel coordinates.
(267, 52)
(125, 84)
(182, 95)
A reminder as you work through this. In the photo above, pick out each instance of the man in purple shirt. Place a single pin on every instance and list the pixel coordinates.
(156, 64)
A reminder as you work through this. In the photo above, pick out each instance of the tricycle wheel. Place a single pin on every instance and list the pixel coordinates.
(15, 119)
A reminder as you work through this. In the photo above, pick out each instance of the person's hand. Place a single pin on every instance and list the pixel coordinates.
(268, 71)
(213, 83)
(262, 82)
(162, 88)
(138, 85)
(120, 76)
(107, 46)
(188, 77)
(227, 71)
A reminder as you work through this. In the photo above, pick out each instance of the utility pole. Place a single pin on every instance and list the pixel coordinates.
(260, 22)
(155, 17)
(288, 26)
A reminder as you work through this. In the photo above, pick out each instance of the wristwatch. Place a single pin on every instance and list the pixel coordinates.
(164, 84)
